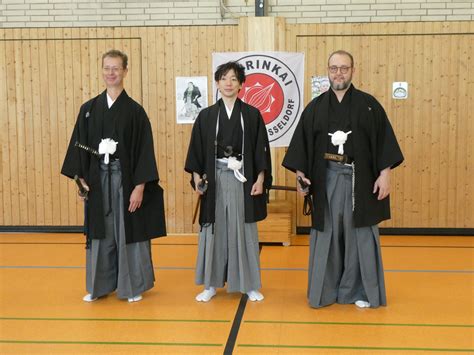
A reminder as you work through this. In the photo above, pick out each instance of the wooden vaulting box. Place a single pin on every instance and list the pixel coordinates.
(277, 227)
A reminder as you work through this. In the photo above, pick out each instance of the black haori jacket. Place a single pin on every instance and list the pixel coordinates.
(137, 161)
(201, 159)
(375, 148)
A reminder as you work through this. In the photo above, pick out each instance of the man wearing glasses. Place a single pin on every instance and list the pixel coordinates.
(343, 149)
(111, 154)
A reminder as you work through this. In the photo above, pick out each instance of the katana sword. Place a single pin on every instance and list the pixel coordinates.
(308, 200)
(87, 149)
(201, 186)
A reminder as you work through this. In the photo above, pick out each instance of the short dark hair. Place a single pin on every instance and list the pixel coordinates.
(223, 69)
(342, 52)
(115, 53)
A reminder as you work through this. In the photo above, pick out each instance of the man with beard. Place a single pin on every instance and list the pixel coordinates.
(124, 203)
(343, 149)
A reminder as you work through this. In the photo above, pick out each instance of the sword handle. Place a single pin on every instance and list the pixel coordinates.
(303, 184)
(82, 190)
(202, 185)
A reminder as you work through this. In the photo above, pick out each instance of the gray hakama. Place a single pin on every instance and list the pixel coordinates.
(345, 263)
(228, 251)
(111, 264)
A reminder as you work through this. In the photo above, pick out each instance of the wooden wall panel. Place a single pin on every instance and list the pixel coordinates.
(432, 188)
(4, 139)
(11, 154)
(46, 74)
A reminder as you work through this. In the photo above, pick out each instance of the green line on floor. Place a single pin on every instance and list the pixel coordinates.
(364, 324)
(335, 347)
(59, 342)
(120, 320)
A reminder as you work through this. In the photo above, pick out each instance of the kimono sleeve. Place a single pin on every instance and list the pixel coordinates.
(262, 157)
(144, 163)
(196, 150)
(389, 153)
(72, 161)
(297, 156)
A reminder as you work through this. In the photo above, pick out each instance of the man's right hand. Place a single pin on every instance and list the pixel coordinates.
(199, 192)
(197, 181)
(301, 191)
(83, 182)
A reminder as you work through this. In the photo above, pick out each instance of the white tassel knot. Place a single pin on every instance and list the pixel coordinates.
(236, 165)
(339, 138)
(107, 146)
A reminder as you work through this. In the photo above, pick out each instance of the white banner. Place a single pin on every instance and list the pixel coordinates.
(274, 84)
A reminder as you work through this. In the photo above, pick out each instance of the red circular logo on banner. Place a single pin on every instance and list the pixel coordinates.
(273, 88)
(265, 93)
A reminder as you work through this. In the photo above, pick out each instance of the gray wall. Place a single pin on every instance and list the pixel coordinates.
(90, 13)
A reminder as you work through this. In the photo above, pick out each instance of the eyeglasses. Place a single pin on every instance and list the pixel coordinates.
(333, 69)
(111, 69)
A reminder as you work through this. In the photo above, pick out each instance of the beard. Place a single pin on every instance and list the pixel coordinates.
(340, 86)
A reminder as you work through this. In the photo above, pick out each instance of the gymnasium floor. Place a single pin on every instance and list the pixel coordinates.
(430, 288)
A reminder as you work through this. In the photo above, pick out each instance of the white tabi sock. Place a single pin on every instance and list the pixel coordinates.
(88, 298)
(362, 304)
(206, 295)
(135, 299)
(255, 295)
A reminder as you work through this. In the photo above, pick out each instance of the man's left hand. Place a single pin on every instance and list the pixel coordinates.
(136, 198)
(257, 188)
(382, 184)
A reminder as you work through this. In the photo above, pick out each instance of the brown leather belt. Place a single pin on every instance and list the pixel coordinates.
(343, 159)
